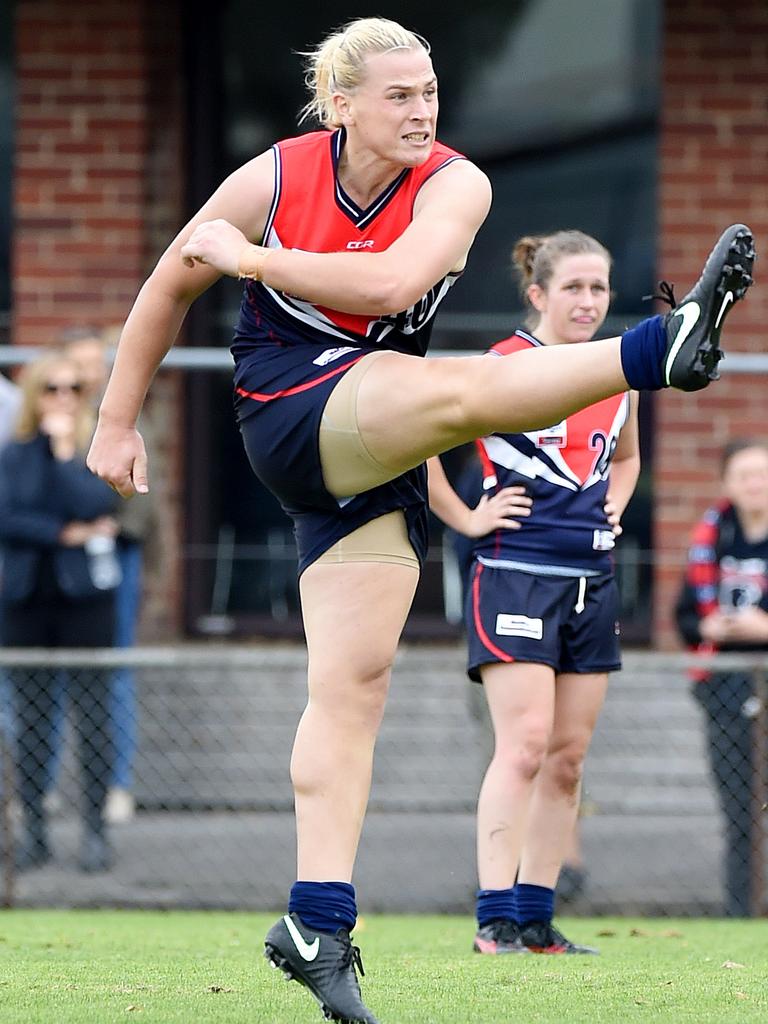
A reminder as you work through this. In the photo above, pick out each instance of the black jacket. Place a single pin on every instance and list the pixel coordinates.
(732, 551)
(38, 496)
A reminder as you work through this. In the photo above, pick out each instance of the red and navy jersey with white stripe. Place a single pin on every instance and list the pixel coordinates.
(311, 211)
(564, 469)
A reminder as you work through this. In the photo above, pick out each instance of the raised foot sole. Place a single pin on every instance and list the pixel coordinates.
(276, 959)
(736, 274)
(735, 279)
(724, 281)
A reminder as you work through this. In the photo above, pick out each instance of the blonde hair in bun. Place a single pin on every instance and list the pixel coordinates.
(534, 258)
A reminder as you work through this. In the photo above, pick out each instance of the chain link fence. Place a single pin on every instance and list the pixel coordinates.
(673, 812)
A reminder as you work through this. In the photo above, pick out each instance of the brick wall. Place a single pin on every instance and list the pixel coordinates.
(98, 162)
(713, 172)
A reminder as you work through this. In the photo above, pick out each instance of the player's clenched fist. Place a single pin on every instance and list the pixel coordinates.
(117, 455)
(216, 243)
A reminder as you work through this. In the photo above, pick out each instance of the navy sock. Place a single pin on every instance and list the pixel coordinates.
(642, 354)
(494, 905)
(533, 903)
(324, 906)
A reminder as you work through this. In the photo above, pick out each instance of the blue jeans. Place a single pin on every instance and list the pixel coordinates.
(731, 757)
(122, 690)
(123, 695)
(45, 621)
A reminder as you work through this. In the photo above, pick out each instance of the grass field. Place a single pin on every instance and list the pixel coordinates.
(84, 967)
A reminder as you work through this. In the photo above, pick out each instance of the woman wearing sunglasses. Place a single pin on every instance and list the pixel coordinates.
(57, 590)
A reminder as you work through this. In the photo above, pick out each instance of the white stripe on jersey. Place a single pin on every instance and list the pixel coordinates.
(556, 456)
(410, 321)
(504, 454)
(298, 308)
(275, 194)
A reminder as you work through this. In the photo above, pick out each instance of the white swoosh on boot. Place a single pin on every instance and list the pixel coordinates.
(308, 950)
(727, 300)
(690, 313)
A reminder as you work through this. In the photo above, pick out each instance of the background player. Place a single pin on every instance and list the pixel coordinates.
(542, 606)
(364, 225)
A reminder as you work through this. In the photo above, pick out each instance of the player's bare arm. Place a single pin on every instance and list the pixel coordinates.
(117, 453)
(243, 200)
(448, 213)
(500, 511)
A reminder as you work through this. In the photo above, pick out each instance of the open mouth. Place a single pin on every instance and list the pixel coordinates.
(418, 137)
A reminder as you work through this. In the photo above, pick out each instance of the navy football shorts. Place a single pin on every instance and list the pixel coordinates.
(568, 623)
(280, 394)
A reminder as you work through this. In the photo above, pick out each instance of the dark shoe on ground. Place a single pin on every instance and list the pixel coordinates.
(32, 852)
(95, 853)
(543, 937)
(325, 964)
(497, 937)
(693, 326)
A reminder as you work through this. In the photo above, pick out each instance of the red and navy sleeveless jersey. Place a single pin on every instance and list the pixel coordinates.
(564, 469)
(311, 211)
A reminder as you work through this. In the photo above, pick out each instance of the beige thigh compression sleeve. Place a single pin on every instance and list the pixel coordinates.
(349, 468)
(381, 540)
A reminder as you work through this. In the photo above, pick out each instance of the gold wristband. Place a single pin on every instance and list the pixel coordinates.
(251, 262)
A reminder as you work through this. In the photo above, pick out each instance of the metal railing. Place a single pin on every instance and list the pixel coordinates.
(219, 358)
(674, 797)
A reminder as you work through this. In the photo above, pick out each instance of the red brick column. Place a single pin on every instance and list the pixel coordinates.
(713, 172)
(80, 245)
(97, 195)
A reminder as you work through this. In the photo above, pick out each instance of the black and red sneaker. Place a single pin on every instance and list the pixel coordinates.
(497, 937)
(543, 937)
(693, 326)
(325, 964)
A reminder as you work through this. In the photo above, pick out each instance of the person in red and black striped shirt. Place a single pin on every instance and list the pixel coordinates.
(723, 606)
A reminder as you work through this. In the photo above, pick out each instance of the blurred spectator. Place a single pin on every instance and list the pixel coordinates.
(87, 346)
(137, 531)
(723, 606)
(57, 538)
(10, 402)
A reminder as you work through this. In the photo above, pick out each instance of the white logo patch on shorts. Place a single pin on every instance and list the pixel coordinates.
(332, 353)
(603, 540)
(519, 625)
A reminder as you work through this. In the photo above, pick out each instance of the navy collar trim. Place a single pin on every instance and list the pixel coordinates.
(361, 218)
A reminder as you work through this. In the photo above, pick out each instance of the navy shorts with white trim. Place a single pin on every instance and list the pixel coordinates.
(569, 623)
(280, 394)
